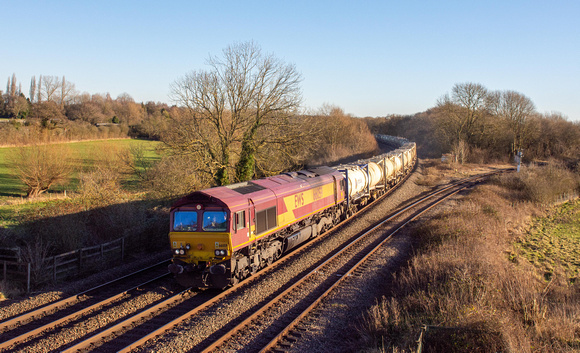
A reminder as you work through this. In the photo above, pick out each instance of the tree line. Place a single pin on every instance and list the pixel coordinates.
(240, 119)
(55, 111)
(480, 125)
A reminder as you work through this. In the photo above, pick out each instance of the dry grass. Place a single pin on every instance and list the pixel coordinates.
(467, 276)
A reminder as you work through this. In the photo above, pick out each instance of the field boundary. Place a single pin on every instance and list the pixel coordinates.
(59, 266)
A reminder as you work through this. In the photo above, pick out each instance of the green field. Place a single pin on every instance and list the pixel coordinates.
(553, 243)
(85, 155)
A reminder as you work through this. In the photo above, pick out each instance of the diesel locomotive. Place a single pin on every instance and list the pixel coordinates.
(222, 235)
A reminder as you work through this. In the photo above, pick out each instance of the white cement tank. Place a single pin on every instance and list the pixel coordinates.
(357, 180)
(375, 174)
(389, 168)
(398, 163)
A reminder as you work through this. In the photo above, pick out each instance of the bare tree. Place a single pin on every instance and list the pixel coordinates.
(516, 109)
(230, 107)
(41, 167)
(49, 87)
(67, 92)
(462, 112)
(39, 90)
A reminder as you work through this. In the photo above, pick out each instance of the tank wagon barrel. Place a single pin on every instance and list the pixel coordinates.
(378, 172)
(221, 235)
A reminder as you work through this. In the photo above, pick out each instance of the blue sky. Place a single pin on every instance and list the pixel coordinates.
(371, 58)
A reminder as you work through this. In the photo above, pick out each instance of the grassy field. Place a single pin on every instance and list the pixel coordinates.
(553, 244)
(85, 154)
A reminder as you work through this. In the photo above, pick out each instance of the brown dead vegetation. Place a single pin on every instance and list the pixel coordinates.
(466, 277)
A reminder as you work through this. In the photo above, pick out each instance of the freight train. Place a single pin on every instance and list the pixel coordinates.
(221, 235)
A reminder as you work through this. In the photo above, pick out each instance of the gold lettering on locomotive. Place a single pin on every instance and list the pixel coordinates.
(299, 200)
(317, 193)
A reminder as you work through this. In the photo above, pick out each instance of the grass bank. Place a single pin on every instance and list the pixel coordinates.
(494, 271)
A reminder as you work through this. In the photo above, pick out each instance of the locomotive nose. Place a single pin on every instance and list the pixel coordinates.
(175, 269)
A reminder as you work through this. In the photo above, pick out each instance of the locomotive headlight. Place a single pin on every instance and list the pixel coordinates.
(221, 253)
(176, 251)
(181, 252)
(187, 246)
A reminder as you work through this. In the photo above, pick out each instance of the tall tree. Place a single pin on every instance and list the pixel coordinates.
(461, 116)
(32, 93)
(13, 91)
(39, 90)
(67, 92)
(50, 87)
(230, 106)
(516, 109)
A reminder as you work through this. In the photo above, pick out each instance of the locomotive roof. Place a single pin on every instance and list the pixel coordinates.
(231, 195)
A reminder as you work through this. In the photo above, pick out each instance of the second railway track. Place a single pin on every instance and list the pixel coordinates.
(274, 324)
(212, 315)
(200, 330)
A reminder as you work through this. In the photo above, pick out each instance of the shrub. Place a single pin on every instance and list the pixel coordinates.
(175, 175)
(541, 184)
(40, 167)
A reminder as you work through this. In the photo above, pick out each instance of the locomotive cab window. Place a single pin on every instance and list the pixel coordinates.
(215, 221)
(240, 220)
(185, 221)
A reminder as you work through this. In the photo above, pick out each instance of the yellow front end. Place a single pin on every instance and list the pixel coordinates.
(193, 247)
(201, 259)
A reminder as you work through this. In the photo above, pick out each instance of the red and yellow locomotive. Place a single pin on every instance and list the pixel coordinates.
(221, 235)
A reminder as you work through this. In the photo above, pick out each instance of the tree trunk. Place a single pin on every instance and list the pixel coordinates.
(246, 165)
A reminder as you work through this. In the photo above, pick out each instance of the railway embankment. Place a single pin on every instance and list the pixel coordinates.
(491, 271)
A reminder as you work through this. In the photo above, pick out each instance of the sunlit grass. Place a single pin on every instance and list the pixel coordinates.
(86, 154)
(553, 243)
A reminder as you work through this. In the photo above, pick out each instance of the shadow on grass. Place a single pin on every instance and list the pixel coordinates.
(66, 225)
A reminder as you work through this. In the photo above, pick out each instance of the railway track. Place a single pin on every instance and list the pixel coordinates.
(157, 322)
(218, 334)
(25, 327)
(281, 316)
(118, 337)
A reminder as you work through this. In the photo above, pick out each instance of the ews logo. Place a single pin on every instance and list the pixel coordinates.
(299, 200)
